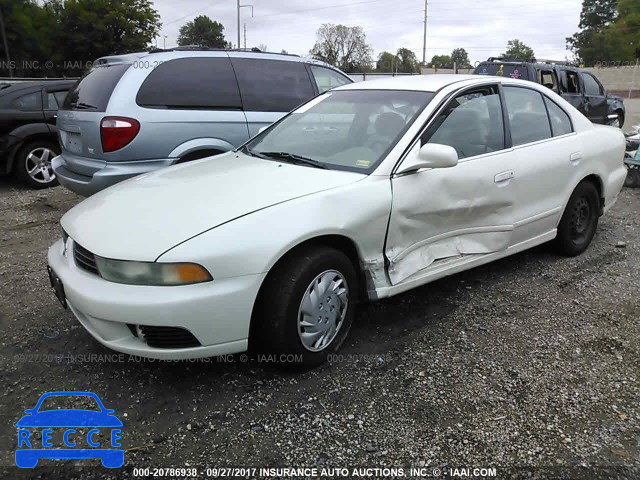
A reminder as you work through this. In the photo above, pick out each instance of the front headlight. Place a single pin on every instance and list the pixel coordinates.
(150, 273)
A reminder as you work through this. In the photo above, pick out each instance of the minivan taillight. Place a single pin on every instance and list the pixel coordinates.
(117, 132)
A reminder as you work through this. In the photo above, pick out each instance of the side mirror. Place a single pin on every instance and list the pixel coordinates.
(29, 411)
(431, 155)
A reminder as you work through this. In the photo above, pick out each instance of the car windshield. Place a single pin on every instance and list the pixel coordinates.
(342, 130)
(69, 402)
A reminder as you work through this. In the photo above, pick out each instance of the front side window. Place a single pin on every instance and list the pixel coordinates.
(272, 85)
(591, 86)
(560, 121)
(472, 124)
(527, 115)
(191, 83)
(28, 103)
(326, 79)
(343, 130)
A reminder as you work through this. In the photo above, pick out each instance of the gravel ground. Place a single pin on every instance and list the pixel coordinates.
(531, 361)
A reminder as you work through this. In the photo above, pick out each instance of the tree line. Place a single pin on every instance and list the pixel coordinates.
(60, 37)
(609, 33)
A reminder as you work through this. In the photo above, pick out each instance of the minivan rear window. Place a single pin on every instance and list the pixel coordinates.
(94, 89)
(503, 70)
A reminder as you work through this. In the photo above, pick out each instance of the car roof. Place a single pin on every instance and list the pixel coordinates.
(426, 83)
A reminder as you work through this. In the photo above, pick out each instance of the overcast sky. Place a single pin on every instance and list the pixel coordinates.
(482, 27)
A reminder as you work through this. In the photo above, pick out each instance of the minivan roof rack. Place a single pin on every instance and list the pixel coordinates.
(195, 48)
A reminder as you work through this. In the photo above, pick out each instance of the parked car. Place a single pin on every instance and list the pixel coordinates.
(136, 113)
(364, 192)
(579, 87)
(28, 134)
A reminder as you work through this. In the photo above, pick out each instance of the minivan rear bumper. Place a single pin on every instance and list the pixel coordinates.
(110, 174)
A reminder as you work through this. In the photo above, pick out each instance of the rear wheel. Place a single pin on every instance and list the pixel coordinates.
(633, 177)
(32, 165)
(306, 309)
(579, 221)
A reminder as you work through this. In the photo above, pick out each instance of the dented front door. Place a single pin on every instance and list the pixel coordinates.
(441, 215)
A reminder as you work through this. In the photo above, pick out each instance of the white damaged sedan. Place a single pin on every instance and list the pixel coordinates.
(364, 192)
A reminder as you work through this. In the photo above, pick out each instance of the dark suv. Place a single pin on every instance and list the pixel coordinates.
(28, 135)
(577, 86)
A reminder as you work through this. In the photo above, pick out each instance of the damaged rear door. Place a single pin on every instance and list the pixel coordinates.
(447, 214)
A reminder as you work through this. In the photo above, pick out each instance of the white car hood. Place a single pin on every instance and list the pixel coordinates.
(142, 218)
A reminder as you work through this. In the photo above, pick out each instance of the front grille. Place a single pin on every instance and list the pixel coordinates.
(85, 259)
(168, 337)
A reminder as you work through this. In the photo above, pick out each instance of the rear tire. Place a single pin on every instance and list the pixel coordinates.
(633, 177)
(32, 165)
(306, 307)
(579, 221)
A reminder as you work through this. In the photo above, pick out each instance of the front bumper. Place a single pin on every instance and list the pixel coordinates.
(217, 313)
(109, 174)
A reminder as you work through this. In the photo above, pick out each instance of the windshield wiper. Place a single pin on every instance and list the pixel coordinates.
(249, 151)
(83, 106)
(295, 159)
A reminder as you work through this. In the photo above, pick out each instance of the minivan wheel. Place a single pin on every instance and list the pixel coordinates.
(32, 165)
(306, 309)
(579, 221)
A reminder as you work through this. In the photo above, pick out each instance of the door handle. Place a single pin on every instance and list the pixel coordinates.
(575, 158)
(503, 176)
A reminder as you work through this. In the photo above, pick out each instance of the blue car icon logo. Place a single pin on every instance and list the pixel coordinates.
(89, 432)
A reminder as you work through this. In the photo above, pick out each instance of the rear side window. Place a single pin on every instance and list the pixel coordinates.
(191, 83)
(503, 70)
(94, 89)
(560, 121)
(272, 85)
(326, 79)
(527, 115)
(548, 79)
(570, 83)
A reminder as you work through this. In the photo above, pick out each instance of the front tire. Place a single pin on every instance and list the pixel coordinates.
(579, 221)
(32, 165)
(306, 307)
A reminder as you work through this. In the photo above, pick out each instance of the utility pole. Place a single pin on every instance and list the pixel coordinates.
(239, 7)
(245, 35)
(424, 45)
(6, 46)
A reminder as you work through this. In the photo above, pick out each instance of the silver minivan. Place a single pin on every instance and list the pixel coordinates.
(135, 113)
